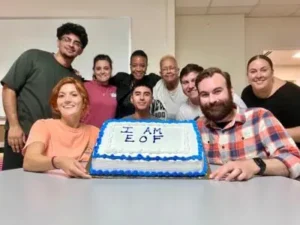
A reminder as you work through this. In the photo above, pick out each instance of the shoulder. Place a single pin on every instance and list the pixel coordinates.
(247, 90)
(36, 52)
(256, 113)
(158, 86)
(119, 78)
(91, 129)
(291, 87)
(152, 78)
(45, 124)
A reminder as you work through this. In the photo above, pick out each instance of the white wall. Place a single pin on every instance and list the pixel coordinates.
(271, 34)
(153, 21)
(213, 41)
(230, 41)
(291, 73)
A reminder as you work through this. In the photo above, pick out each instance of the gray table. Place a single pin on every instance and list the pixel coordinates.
(43, 199)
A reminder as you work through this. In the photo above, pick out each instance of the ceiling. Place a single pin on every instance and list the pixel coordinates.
(250, 8)
(284, 57)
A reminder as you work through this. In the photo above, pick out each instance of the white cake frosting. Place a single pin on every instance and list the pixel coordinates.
(145, 148)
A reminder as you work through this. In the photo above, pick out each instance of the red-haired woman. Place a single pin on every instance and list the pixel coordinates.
(62, 143)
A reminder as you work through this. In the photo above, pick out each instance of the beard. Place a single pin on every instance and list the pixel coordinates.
(218, 111)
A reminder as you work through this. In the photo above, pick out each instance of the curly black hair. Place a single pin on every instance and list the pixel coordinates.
(72, 28)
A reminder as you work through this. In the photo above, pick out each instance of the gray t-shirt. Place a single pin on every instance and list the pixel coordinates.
(33, 76)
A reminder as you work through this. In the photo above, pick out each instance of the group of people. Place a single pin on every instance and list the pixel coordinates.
(54, 116)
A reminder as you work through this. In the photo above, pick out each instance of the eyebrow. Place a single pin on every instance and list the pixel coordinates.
(215, 89)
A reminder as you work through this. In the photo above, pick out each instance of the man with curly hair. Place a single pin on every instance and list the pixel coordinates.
(28, 84)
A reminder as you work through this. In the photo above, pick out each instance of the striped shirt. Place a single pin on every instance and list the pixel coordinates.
(252, 133)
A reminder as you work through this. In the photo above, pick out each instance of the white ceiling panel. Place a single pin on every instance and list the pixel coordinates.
(272, 11)
(221, 3)
(229, 10)
(191, 10)
(279, 2)
(284, 57)
(192, 3)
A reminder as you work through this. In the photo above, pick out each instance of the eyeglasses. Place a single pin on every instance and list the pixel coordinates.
(70, 41)
(166, 69)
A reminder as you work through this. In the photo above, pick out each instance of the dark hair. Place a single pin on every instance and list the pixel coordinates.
(210, 72)
(141, 83)
(102, 57)
(190, 68)
(72, 28)
(264, 57)
(140, 53)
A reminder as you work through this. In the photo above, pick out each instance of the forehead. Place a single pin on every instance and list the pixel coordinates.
(72, 36)
(138, 59)
(67, 88)
(102, 62)
(142, 89)
(258, 63)
(190, 76)
(168, 62)
(210, 83)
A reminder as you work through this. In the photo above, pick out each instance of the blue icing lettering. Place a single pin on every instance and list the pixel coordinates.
(157, 137)
(147, 130)
(157, 130)
(127, 130)
(143, 139)
(129, 138)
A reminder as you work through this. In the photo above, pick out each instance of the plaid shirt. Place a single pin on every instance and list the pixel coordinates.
(252, 133)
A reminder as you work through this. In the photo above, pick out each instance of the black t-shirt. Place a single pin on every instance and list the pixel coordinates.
(284, 104)
(123, 82)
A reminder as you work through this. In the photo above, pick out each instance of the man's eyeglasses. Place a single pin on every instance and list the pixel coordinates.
(69, 41)
(166, 69)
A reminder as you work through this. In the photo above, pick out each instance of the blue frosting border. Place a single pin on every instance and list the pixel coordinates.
(200, 156)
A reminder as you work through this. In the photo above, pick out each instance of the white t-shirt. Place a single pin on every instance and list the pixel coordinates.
(169, 100)
(189, 111)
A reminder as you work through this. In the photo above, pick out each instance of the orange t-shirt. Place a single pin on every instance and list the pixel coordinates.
(62, 140)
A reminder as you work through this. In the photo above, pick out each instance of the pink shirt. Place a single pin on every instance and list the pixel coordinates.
(103, 103)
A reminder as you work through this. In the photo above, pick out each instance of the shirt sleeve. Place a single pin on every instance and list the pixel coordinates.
(38, 133)
(19, 72)
(278, 144)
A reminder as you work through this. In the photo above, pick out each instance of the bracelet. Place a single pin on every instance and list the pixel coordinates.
(52, 162)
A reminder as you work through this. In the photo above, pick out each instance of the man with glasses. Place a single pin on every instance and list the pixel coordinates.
(168, 92)
(28, 84)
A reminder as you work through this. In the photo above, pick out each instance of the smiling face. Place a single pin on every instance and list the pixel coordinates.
(141, 98)
(188, 85)
(169, 70)
(69, 46)
(260, 75)
(215, 98)
(138, 67)
(102, 71)
(69, 101)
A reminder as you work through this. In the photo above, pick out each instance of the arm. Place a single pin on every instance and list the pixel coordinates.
(294, 133)
(279, 145)
(246, 169)
(36, 160)
(13, 82)
(16, 136)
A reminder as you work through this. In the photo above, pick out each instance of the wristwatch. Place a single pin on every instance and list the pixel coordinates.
(261, 164)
